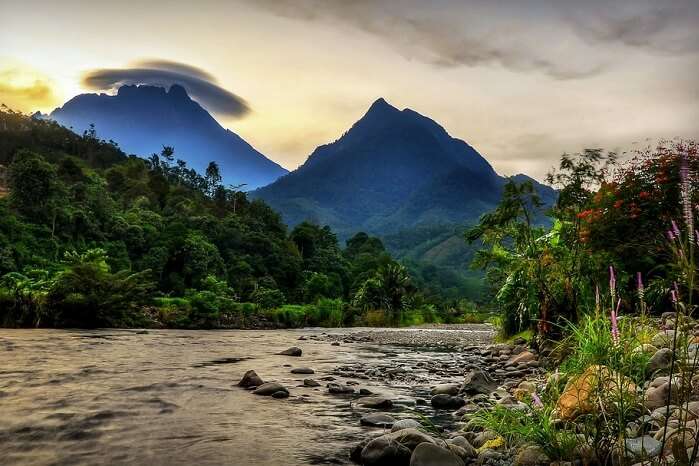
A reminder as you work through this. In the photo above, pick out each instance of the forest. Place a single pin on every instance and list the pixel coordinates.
(91, 237)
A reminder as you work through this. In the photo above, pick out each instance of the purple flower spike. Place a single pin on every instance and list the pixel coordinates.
(615, 324)
(612, 281)
(675, 229)
(639, 281)
(670, 236)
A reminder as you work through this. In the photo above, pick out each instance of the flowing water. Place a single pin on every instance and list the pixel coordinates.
(113, 397)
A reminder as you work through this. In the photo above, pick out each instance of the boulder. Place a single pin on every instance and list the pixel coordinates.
(478, 381)
(581, 393)
(310, 383)
(410, 438)
(661, 360)
(465, 445)
(293, 351)
(377, 420)
(428, 454)
(531, 455)
(250, 379)
(663, 339)
(302, 370)
(269, 389)
(656, 395)
(447, 402)
(405, 424)
(446, 389)
(383, 451)
(280, 394)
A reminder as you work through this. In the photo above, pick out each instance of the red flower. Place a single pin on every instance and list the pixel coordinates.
(618, 204)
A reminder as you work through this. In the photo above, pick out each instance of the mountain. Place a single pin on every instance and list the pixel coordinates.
(142, 119)
(393, 170)
(399, 175)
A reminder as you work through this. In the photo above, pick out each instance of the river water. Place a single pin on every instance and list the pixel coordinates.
(114, 397)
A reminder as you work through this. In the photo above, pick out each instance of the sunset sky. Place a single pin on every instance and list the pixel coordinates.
(521, 81)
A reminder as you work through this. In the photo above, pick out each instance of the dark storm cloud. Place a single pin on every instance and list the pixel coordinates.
(519, 36)
(198, 83)
(670, 27)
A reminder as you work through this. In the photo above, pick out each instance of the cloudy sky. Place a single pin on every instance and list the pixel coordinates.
(520, 80)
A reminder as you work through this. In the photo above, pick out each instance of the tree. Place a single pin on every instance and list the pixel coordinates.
(213, 178)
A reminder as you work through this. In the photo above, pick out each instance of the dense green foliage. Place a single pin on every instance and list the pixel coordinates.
(606, 215)
(91, 237)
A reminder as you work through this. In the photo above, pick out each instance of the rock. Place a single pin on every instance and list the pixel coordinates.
(335, 343)
(250, 379)
(461, 441)
(579, 395)
(365, 392)
(384, 451)
(337, 389)
(375, 402)
(663, 339)
(280, 394)
(522, 357)
(302, 338)
(483, 437)
(490, 457)
(293, 351)
(478, 381)
(410, 438)
(377, 420)
(643, 447)
(269, 388)
(356, 451)
(656, 396)
(428, 454)
(302, 370)
(447, 402)
(310, 383)
(446, 389)
(644, 348)
(531, 455)
(660, 361)
(405, 424)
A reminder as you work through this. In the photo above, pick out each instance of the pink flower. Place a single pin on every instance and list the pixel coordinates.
(615, 324)
(537, 401)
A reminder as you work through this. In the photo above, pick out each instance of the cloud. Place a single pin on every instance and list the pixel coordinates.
(667, 28)
(24, 90)
(199, 84)
(536, 36)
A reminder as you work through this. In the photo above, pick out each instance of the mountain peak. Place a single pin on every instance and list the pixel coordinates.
(381, 106)
(178, 91)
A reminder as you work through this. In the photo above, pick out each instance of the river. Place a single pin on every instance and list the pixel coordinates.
(169, 397)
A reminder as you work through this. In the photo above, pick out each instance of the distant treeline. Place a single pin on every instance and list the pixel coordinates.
(92, 237)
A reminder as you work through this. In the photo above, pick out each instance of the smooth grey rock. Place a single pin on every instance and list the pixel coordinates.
(646, 447)
(337, 389)
(375, 402)
(661, 360)
(531, 455)
(446, 389)
(293, 351)
(384, 451)
(310, 383)
(478, 381)
(280, 394)
(461, 441)
(428, 454)
(302, 370)
(250, 379)
(405, 424)
(269, 388)
(377, 420)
